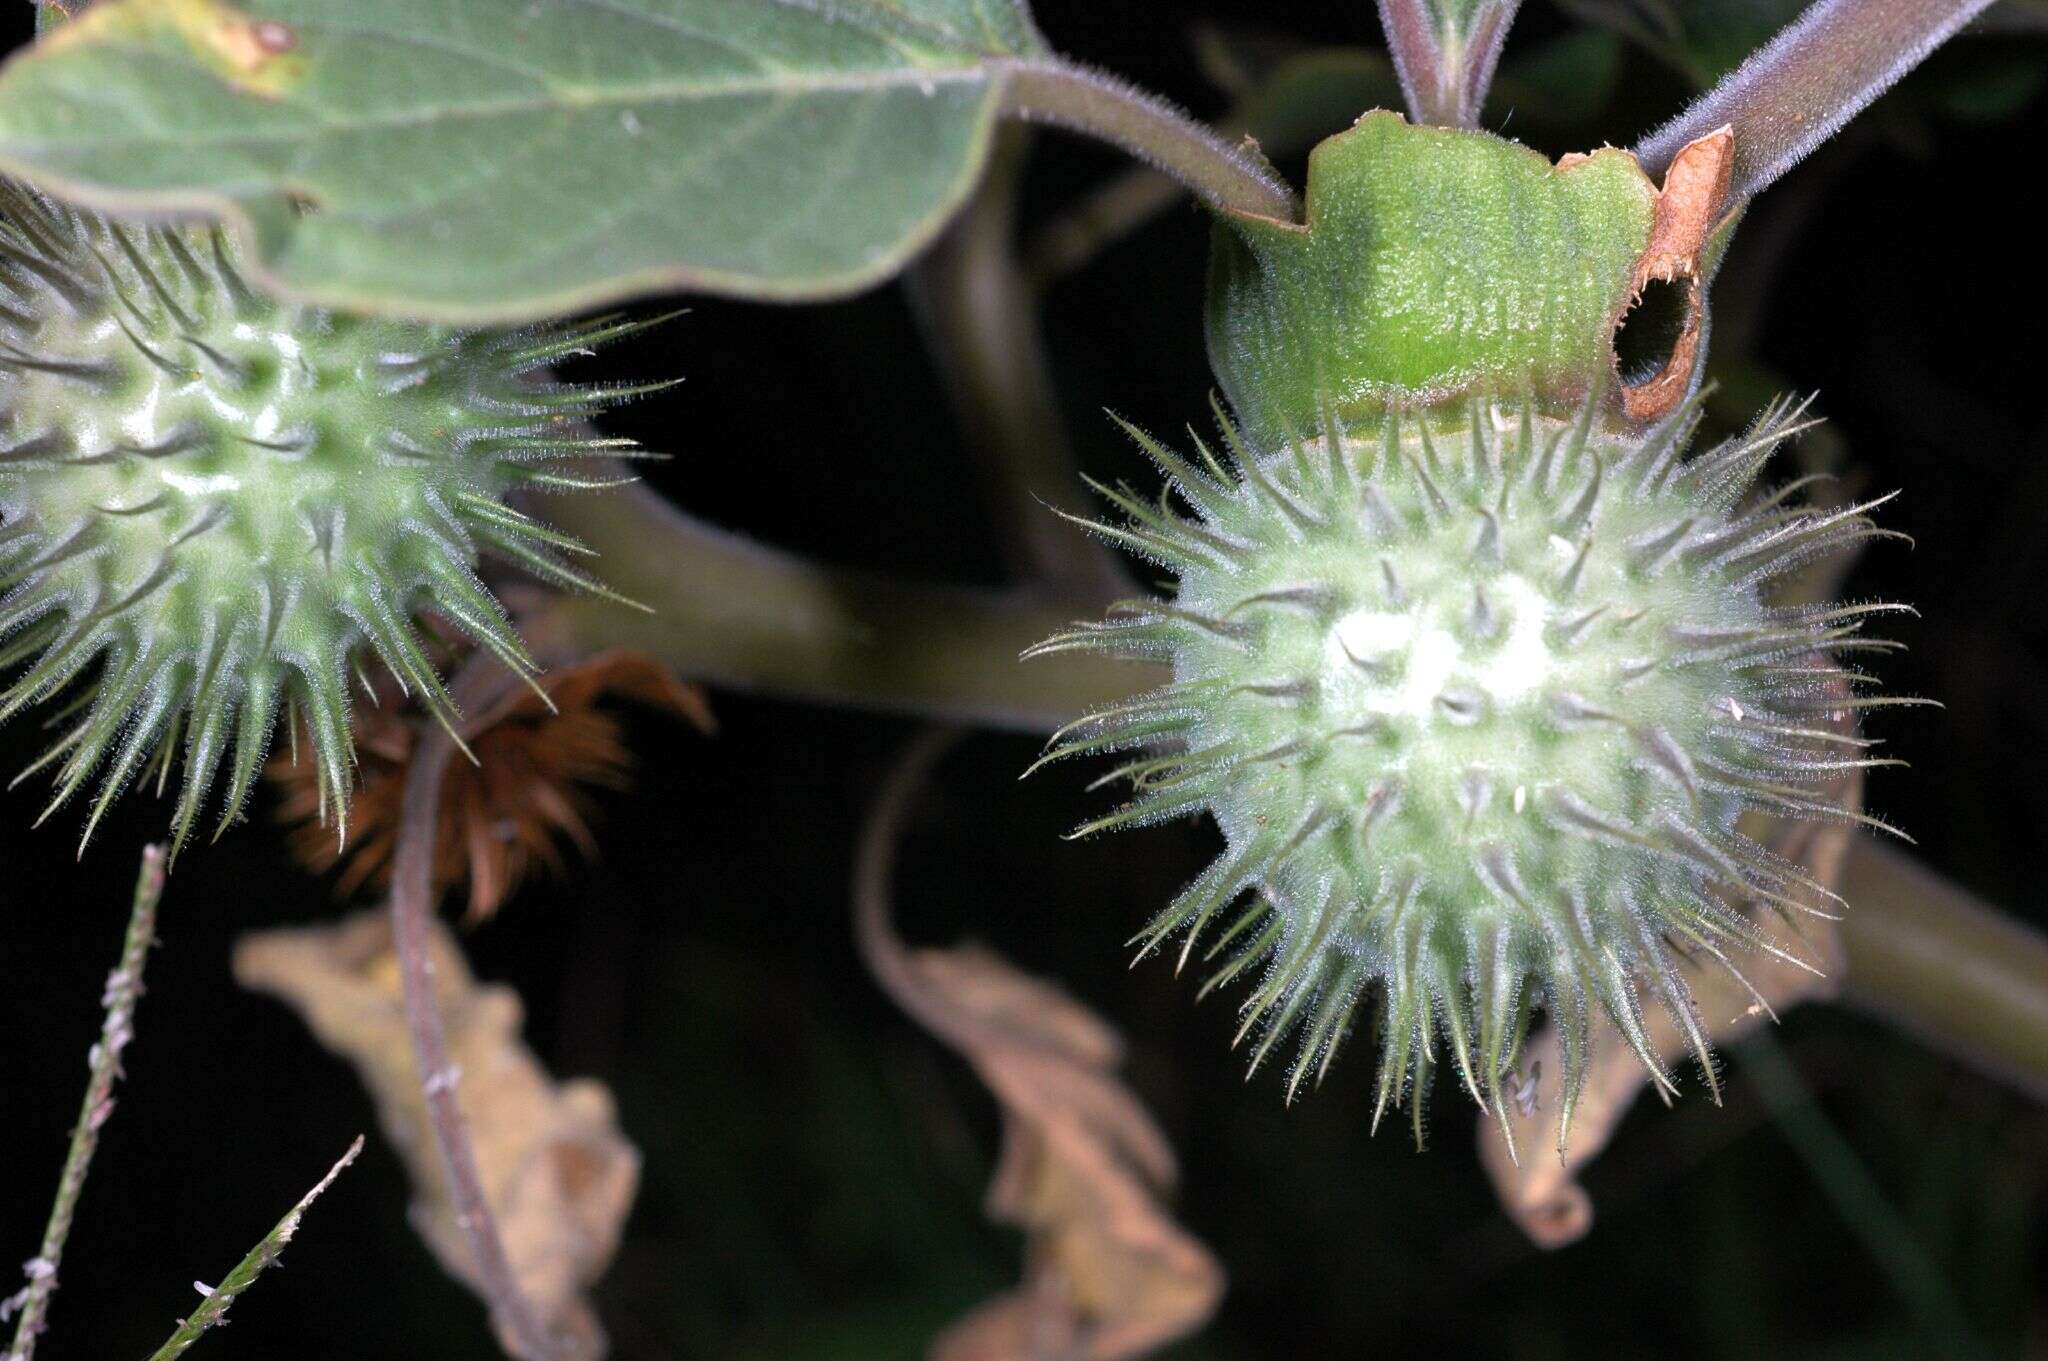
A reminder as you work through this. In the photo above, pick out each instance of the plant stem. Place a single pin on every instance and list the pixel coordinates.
(1797, 90)
(477, 687)
(1417, 49)
(1966, 980)
(874, 873)
(1226, 177)
(1938, 962)
(982, 321)
(1887, 1239)
(213, 1311)
(1069, 238)
(739, 614)
(123, 990)
(1446, 59)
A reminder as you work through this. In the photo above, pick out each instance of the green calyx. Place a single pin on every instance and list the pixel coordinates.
(1434, 263)
(1476, 700)
(217, 505)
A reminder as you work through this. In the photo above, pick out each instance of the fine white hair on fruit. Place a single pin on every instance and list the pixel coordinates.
(1476, 704)
(216, 506)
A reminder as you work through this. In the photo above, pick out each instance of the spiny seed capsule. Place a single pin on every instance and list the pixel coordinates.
(216, 504)
(1476, 702)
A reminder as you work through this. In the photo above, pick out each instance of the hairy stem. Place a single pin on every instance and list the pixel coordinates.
(982, 322)
(1416, 46)
(1929, 957)
(1226, 177)
(477, 687)
(1068, 239)
(123, 991)
(214, 1310)
(1797, 90)
(1445, 52)
(736, 613)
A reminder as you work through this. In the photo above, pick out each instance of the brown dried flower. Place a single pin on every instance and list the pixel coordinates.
(527, 792)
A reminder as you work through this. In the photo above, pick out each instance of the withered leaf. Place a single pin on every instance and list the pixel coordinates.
(559, 1175)
(507, 813)
(1689, 209)
(1108, 1274)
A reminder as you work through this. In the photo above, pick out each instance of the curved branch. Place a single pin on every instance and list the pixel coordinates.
(874, 875)
(1945, 966)
(479, 685)
(1800, 88)
(1226, 177)
(732, 612)
(981, 322)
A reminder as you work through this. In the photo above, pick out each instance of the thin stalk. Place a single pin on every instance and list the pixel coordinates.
(1945, 966)
(1445, 52)
(213, 1311)
(1226, 177)
(477, 687)
(874, 875)
(1113, 210)
(1416, 45)
(889, 960)
(1886, 1237)
(1797, 90)
(123, 991)
(982, 323)
(735, 613)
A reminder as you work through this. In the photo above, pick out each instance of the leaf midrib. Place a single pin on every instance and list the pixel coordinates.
(557, 100)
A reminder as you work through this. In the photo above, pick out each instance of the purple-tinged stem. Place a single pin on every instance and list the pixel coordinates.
(1445, 52)
(1227, 177)
(1800, 88)
(479, 684)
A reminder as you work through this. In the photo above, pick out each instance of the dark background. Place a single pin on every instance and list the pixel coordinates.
(815, 1164)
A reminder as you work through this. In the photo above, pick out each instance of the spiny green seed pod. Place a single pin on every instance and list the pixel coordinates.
(1476, 701)
(216, 504)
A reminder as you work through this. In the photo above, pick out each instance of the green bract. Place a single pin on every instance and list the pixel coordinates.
(1435, 262)
(1475, 700)
(216, 504)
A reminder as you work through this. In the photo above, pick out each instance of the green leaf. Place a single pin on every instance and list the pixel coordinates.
(1435, 263)
(486, 159)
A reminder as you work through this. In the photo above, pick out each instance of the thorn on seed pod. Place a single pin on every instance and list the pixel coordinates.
(1490, 781)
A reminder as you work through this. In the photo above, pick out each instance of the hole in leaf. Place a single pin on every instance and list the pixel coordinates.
(1651, 329)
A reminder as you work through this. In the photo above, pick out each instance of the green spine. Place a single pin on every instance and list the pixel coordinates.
(218, 506)
(1476, 700)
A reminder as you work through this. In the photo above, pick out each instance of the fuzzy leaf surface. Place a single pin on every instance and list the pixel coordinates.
(480, 159)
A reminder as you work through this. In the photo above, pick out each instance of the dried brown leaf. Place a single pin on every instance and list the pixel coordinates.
(1689, 207)
(1084, 1169)
(510, 811)
(559, 1175)
(1108, 1274)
